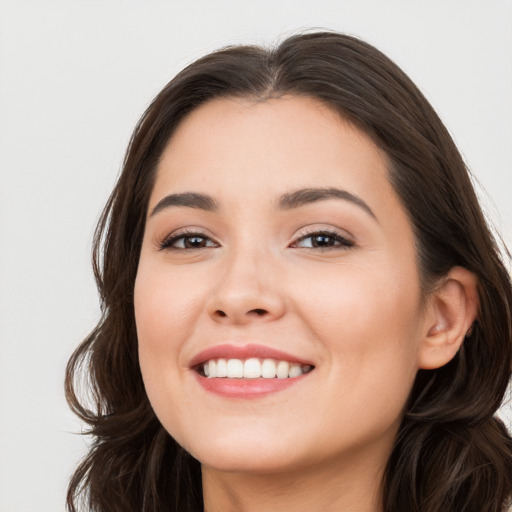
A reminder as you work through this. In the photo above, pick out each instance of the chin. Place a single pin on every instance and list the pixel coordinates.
(245, 451)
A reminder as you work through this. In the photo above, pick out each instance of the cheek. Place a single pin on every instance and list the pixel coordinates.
(164, 308)
(165, 313)
(361, 298)
(368, 319)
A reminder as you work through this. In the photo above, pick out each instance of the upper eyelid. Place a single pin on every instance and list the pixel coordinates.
(183, 233)
(343, 242)
(305, 232)
(189, 231)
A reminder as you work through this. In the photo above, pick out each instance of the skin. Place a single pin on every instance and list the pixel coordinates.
(356, 311)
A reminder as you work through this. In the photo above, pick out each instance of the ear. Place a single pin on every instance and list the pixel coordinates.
(450, 312)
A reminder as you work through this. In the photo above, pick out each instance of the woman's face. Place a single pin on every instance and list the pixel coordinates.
(273, 236)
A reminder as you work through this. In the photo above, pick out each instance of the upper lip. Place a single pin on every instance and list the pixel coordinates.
(227, 351)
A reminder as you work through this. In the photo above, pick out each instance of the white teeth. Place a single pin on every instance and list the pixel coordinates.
(222, 368)
(282, 370)
(253, 368)
(268, 369)
(294, 371)
(235, 369)
(212, 368)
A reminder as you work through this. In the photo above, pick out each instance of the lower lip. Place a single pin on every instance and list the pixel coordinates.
(247, 388)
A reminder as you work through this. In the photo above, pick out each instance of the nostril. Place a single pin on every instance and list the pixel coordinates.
(258, 312)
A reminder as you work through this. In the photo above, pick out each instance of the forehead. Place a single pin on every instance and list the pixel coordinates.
(285, 142)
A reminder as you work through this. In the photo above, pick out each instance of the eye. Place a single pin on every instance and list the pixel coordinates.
(323, 240)
(186, 241)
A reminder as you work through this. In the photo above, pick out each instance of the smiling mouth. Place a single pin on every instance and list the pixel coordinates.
(252, 368)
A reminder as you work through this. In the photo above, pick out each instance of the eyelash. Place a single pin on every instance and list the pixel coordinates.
(340, 241)
(167, 243)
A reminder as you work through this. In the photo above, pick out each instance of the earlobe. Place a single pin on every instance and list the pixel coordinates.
(451, 310)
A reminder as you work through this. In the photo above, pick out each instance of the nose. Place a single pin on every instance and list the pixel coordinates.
(246, 290)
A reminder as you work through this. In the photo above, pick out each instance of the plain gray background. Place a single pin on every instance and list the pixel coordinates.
(74, 78)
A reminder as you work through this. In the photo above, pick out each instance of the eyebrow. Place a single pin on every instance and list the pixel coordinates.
(287, 201)
(312, 195)
(188, 199)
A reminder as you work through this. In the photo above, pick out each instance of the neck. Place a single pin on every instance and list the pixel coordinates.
(352, 488)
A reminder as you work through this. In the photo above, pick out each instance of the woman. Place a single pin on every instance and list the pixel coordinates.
(303, 307)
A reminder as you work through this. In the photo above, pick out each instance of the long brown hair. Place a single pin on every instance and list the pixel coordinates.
(451, 454)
